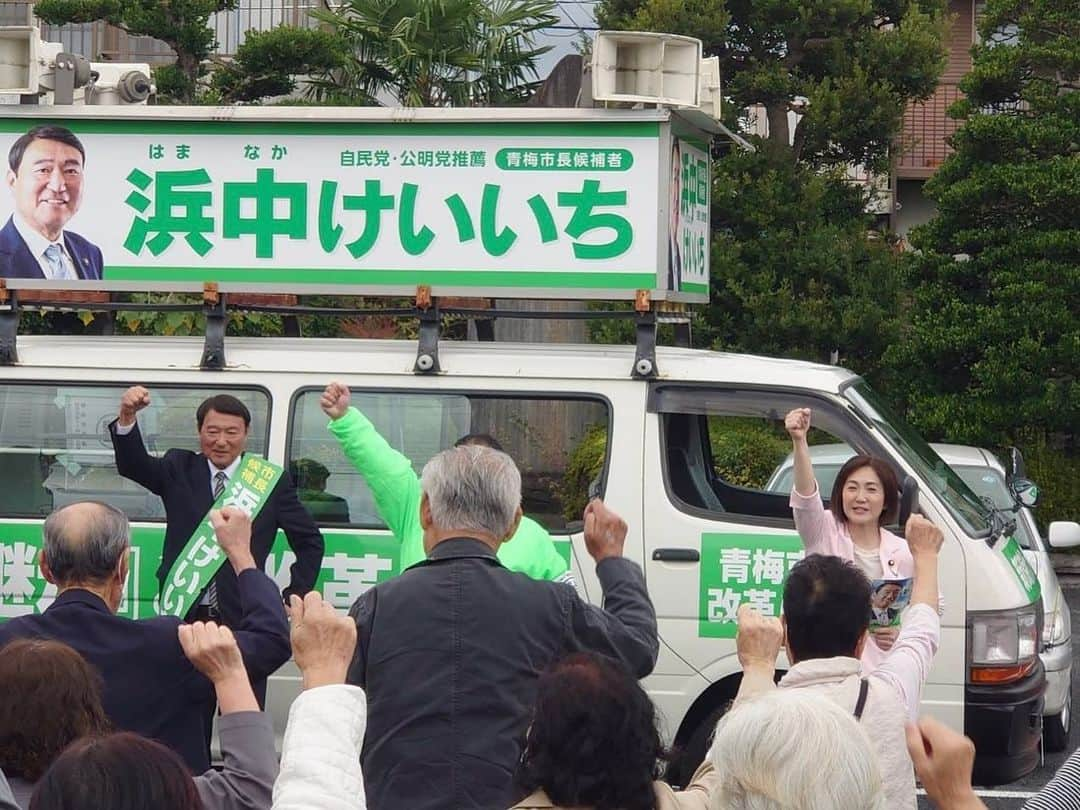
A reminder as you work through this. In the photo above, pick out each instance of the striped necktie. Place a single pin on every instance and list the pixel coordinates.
(55, 257)
(220, 478)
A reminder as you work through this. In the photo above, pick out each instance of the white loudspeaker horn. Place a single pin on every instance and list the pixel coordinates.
(709, 95)
(645, 67)
(20, 67)
(117, 83)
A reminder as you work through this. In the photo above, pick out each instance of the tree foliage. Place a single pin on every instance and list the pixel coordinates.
(797, 269)
(793, 271)
(267, 63)
(856, 63)
(180, 24)
(435, 53)
(993, 350)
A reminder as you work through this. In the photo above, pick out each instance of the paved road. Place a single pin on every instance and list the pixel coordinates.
(1013, 796)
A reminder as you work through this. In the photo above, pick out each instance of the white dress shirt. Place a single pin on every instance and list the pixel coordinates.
(38, 244)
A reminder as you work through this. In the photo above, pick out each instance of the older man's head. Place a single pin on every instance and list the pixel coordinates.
(470, 491)
(86, 546)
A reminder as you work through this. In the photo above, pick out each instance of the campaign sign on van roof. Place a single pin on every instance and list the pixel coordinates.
(597, 205)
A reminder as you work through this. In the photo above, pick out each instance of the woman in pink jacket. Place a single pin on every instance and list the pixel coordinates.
(864, 498)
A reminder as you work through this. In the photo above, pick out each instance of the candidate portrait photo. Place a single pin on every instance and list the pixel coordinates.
(45, 177)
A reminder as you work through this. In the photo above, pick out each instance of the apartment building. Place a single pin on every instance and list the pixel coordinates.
(926, 125)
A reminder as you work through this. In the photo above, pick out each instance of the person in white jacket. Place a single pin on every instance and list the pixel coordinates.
(320, 757)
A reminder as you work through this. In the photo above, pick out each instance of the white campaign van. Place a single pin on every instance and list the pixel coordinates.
(685, 456)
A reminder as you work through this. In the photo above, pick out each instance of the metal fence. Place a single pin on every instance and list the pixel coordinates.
(101, 42)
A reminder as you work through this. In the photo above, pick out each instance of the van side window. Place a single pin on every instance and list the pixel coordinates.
(55, 447)
(728, 452)
(559, 444)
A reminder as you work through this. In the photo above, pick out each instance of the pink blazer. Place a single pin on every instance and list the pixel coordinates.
(822, 533)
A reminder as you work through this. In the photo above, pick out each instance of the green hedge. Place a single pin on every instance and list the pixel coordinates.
(586, 462)
(746, 451)
(1057, 472)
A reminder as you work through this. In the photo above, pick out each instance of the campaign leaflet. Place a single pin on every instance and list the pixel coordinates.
(888, 598)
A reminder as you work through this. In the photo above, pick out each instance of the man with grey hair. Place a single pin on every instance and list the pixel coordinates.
(451, 650)
(150, 685)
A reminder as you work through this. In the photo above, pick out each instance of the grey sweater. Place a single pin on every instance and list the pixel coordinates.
(246, 782)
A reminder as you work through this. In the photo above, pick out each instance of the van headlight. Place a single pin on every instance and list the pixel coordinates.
(1003, 646)
(1057, 629)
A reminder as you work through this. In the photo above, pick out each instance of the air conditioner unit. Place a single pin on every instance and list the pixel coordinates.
(20, 68)
(645, 67)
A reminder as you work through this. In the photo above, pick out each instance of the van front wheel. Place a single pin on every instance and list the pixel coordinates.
(688, 759)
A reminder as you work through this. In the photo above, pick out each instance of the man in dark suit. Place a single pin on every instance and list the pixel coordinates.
(45, 175)
(187, 483)
(450, 651)
(150, 685)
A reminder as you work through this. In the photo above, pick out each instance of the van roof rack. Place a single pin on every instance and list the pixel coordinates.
(426, 309)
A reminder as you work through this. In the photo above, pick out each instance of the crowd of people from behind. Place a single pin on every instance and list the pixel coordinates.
(478, 678)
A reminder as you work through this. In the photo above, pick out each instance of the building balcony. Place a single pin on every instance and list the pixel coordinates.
(925, 130)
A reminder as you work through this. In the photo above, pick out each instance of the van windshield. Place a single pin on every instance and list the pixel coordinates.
(964, 504)
(989, 483)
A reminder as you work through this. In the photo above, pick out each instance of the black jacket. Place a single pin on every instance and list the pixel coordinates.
(150, 686)
(450, 653)
(182, 480)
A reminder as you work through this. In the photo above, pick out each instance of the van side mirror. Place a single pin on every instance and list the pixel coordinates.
(909, 500)
(1026, 492)
(1016, 464)
(1064, 534)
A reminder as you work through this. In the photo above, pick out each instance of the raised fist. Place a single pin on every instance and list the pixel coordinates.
(605, 531)
(133, 400)
(797, 423)
(335, 400)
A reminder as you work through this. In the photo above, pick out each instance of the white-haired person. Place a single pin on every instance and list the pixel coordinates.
(794, 748)
(450, 651)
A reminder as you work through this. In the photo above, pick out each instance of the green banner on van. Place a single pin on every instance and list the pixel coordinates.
(24, 590)
(1022, 569)
(353, 562)
(738, 569)
(202, 557)
(365, 200)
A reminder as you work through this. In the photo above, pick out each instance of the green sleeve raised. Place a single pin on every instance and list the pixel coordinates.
(390, 476)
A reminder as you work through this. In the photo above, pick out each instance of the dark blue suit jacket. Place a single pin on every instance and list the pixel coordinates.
(16, 260)
(182, 480)
(150, 686)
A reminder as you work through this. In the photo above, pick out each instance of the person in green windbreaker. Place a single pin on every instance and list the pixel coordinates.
(396, 489)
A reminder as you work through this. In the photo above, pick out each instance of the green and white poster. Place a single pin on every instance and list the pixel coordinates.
(1022, 569)
(738, 569)
(352, 564)
(352, 201)
(689, 224)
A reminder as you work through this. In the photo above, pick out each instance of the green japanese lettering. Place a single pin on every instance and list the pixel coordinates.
(170, 195)
(584, 219)
(412, 241)
(264, 226)
(372, 202)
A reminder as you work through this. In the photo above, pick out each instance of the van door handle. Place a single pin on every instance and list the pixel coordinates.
(676, 555)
